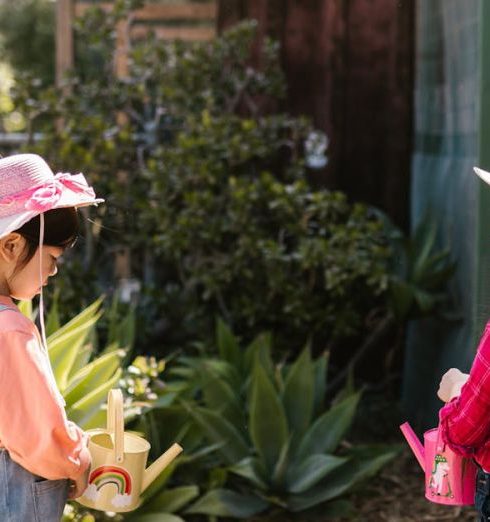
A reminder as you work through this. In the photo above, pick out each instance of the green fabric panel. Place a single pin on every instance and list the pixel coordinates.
(482, 294)
(445, 150)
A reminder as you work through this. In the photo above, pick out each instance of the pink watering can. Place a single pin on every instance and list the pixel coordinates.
(449, 478)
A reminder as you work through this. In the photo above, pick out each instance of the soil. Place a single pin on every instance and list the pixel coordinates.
(397, 495)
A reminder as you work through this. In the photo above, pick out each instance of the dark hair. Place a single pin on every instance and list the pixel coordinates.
(60, 230)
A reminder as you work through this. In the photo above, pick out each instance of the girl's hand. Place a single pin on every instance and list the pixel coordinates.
(451, 383)
(77, 487)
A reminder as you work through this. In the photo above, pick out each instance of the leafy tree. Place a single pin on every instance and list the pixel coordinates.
(27, 29)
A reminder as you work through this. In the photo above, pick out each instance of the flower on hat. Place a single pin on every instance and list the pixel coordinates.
(44, 198)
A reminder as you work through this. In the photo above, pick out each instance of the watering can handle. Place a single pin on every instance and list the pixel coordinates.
(115, 421)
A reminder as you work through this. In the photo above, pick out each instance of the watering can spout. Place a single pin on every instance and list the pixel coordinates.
(414, 443)
(152, 472)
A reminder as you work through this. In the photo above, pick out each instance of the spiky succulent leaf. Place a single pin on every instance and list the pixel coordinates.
(171, 500)
(219, 431)
(228, 347)
(64, 344)
(251, 468)
(227, 503)
(98, 371)
(259, 350)
(320, 368)
(363, 464)
(325, 433)
(311, 470)
(220, 397)
(87, 412)
(299, 393)
(267, 422)
(279, 474)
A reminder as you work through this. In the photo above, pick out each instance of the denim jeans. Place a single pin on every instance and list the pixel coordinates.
(482, 495)
(25, 497)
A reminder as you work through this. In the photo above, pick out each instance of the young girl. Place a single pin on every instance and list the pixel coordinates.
(43, 457)
(465, 419)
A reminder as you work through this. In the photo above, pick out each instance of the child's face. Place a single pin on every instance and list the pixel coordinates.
(25, 282)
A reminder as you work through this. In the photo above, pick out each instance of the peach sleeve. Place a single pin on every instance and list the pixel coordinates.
(33, 425)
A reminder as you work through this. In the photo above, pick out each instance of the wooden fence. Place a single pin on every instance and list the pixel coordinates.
(349, 67)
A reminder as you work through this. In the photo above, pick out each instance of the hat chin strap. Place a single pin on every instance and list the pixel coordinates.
(41, 301)
(41, 310)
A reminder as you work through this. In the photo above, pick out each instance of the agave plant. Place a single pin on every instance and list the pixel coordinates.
(279, 445)
(83, 379)
(420, 271)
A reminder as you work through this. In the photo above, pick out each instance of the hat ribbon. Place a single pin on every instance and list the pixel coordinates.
(45, 196)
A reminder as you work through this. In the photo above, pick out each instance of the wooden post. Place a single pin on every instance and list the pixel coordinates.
(64, 38)
(64, 46)
(122, 262)
(121, 52)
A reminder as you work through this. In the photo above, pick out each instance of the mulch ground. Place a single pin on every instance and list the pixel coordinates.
(397, 495)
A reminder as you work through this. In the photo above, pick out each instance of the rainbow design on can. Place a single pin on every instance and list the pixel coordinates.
(111, 475)
(115, 475)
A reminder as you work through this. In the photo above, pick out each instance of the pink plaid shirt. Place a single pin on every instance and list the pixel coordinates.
(465, 420)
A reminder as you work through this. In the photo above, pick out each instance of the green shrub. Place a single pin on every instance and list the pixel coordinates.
(263, 250)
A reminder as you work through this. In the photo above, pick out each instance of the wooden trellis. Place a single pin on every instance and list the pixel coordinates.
(185, 21)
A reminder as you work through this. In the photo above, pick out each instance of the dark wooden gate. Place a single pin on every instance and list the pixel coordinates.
(349, 67)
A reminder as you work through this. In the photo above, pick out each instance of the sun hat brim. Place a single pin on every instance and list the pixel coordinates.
(28, 188)
(10, 223)
(482, 174)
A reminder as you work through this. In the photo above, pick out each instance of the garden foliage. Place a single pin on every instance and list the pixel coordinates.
(273, 443)
(206, 185)
(278, 444)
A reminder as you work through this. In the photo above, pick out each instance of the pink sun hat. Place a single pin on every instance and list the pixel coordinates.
(28, 187)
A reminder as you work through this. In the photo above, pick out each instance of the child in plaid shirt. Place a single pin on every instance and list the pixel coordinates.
(465, 419)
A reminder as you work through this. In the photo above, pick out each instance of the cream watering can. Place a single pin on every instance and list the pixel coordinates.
(118, 475)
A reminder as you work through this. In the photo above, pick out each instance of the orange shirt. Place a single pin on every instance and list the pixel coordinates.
(34, 428)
